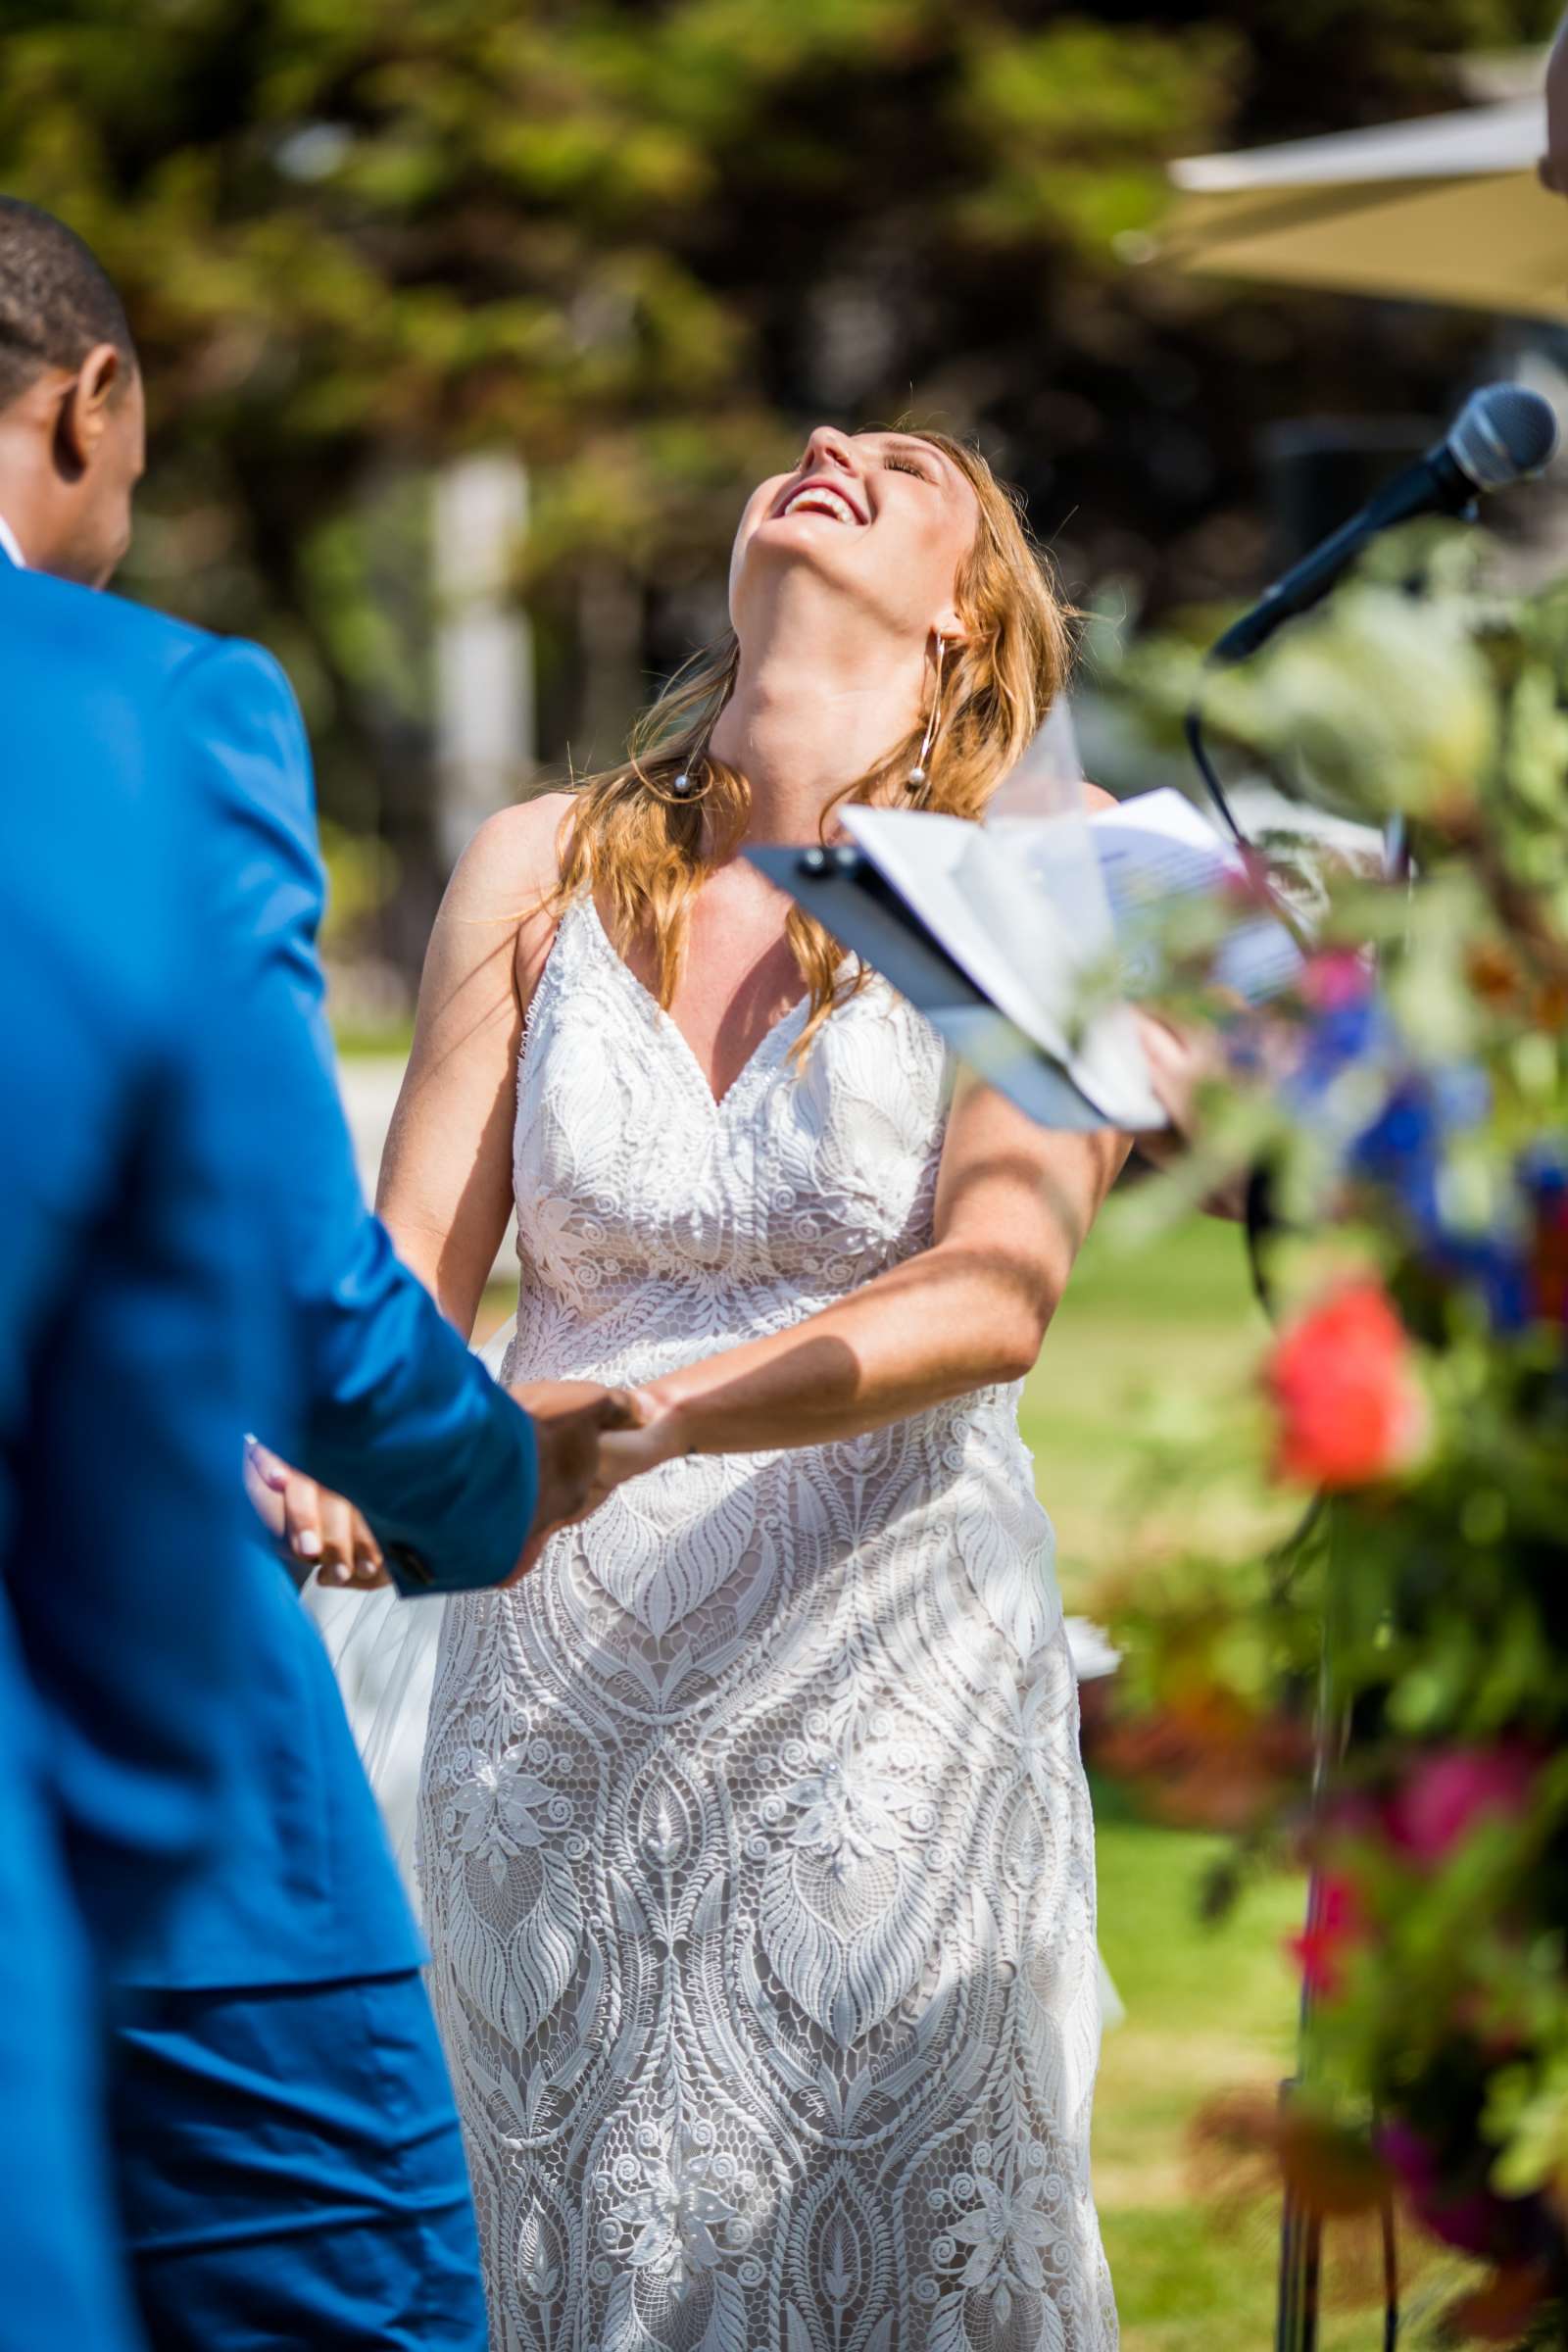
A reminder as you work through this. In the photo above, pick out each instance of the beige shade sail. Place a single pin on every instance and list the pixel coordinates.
(1445, 210)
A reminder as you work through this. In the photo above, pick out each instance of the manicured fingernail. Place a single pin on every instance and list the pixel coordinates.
(308, 1543)
(334, 1576)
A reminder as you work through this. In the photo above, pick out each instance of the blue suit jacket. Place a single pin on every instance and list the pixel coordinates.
(348, 1367)
(122, 1255)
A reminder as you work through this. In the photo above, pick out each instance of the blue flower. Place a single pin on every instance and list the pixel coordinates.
(1338, 1038)
(1497, 1269)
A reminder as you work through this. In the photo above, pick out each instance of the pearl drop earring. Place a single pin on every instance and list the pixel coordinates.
(918, 773)
(687, 786)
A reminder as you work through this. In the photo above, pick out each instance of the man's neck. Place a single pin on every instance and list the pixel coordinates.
(24, 497)
(10, 545)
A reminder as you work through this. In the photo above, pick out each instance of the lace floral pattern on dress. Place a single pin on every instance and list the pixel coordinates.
(755, 1848)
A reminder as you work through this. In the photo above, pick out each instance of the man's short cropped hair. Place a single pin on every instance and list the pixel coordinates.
(56, 299)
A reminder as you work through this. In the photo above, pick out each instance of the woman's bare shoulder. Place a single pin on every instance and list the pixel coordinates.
(1096, 798)
(514, 859)
(499, 898)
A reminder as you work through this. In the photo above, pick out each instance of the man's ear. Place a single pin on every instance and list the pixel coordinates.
(85, 405)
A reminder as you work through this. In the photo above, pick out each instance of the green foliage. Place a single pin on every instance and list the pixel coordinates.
(1421, 1134)
(360, 880)
(645, 243)
(1073, 126)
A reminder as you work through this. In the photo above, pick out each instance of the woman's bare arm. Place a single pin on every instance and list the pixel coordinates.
(445, 1175)
(445, 1192)
(1013, 1205)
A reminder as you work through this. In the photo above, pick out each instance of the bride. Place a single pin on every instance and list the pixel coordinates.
(754, 1847)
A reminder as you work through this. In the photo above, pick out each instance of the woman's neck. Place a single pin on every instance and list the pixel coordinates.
(804, 723)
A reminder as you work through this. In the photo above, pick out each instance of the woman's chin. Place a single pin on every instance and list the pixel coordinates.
(811, 546)
(808, 529)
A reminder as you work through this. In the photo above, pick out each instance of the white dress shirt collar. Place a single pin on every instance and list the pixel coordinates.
(11, 545)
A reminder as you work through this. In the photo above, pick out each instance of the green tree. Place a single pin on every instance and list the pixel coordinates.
(644, 243)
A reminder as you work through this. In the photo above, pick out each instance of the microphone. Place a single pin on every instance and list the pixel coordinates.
(1505, 433)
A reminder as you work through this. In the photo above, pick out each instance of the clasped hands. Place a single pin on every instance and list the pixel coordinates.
(589, 1439)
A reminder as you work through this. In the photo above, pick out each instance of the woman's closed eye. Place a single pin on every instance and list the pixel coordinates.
(893, 463)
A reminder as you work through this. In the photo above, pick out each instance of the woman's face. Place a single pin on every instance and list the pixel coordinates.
(884, 517)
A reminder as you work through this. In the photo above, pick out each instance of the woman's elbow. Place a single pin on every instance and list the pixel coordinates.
(1012, 1345)
(1015, 1363)
(1001, 1311)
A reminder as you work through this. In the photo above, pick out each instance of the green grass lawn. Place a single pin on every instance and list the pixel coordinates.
(1148, 1341)
(1152, 1341)
(1208, 2010)
(1141, 1331)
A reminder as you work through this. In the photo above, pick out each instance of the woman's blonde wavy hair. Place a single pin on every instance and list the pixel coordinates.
(645, 854)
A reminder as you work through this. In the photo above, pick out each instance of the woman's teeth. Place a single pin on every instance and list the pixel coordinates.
(821, 502)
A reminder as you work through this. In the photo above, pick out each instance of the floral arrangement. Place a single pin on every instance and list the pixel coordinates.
(1410, 1101)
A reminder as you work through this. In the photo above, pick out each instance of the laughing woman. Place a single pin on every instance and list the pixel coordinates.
(756, 1849)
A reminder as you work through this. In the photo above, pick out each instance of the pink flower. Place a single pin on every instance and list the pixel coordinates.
(1349, 1409)
(1338, 977)
(1446, 1794)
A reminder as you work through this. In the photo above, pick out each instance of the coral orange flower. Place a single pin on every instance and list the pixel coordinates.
(1344, 1389)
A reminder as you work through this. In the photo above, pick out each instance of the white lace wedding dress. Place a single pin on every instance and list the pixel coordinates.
(755, 1851)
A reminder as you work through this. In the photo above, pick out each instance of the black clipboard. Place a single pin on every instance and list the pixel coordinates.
(865, 915)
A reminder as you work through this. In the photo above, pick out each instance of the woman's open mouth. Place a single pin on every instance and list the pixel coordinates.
(820, 498)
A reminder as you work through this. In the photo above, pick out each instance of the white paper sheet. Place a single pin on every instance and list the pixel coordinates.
(923, 855)
(1039, 888)
(1027, 927)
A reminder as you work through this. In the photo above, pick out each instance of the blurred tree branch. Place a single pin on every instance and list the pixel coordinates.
(644, 243)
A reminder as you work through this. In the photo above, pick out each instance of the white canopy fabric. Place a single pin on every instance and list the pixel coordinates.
(1445, 210)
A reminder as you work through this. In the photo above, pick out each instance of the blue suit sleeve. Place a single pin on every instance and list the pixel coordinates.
(377, 1395)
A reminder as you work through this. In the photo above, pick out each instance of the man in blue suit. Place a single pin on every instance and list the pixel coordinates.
(121, 1245)
(289, 2167)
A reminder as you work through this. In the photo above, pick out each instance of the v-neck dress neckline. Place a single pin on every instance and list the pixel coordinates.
(756, 1062)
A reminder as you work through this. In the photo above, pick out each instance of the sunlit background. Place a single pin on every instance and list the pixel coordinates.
(467, 323)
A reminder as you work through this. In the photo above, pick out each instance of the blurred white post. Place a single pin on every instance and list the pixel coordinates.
(483, 649)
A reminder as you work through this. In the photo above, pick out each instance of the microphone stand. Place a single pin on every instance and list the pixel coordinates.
(1300, 2245)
